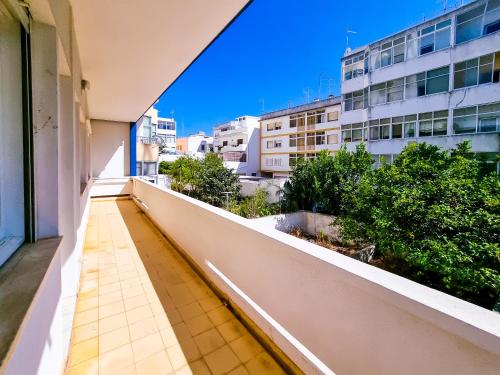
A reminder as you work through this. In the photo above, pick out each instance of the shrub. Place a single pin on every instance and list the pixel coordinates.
(254, 206)
(326, 183)
(436, 217)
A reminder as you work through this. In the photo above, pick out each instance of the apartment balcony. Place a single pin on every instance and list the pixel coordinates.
(153, 140)
(157, 296)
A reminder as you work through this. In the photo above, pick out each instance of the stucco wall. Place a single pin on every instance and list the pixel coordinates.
(329, 313)
(110, 149)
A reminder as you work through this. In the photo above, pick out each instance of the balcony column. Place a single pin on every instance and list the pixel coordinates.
(133, 149)
(46, 128)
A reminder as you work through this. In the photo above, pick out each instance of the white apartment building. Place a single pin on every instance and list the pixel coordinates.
(196, 145)
(155, 135)
(299, 132)
(436, 82)
(238, 144)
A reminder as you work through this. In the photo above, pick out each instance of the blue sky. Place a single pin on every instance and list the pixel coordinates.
(279, 52)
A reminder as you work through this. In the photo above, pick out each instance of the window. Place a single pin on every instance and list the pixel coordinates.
(468, 25)
(356, 100)
(379, 129)
(147, 127)
(166, 125)
(315, 117)
(387, 92)
(435, 37)
(12, 173)
(311, 139)
(235, 156)
(239, 142)
(292, 141)
(273, 126)
(320, 138)
(484, 69)
(492, 17)
(333, 139)
(298, 120)
(333, 116)
(274, 144)
(427, 83)
(397, 127)
(353, 132)
(410, 126)
(483, 118)
(432, 123)
(389, 53)
(224, 143)
(272, 162)
(353, 67)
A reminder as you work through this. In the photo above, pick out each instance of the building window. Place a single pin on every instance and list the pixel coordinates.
(435, 37)
(292, 141)
(432, 123)
(333, 116)
(356, 100)
(484, 69)
(410, 126)
(298, 120)
(274, 126)
(166, 125)
(239, 142)
(468, 24)
(389, 53)
(320, 138)
(311, 139)
(397, 127)
(484, 118)
(315, 117)
(354, 67)
(387, 92)
(427, 83)
(492, 17)
(294, 158)
(380, 129)
(274, 144)
(224, 143)
(333, 139)
(353, 132)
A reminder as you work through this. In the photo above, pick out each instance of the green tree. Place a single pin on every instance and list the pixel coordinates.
(216, 183)
(164, 167)
(254, 206)
(185, 173)
(435, 217)
(326, 183)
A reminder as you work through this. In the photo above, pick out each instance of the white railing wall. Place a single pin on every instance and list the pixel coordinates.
(327, 312)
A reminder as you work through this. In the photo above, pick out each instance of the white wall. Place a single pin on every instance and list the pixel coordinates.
(345, 315)
(110, 149)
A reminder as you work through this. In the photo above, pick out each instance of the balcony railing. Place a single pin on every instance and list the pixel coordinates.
(323, 309)
(153, 140)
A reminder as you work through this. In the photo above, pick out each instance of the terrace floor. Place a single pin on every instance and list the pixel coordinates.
(142, 310)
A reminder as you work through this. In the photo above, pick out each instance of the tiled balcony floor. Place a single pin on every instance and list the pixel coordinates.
(142, 310)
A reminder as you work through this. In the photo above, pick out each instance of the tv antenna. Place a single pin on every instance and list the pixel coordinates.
(307, 94)
(347, 37)
(262, 102)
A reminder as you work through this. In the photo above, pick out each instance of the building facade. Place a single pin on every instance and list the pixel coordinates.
(196, 145)
(237, 142)
(299, 132)
(436, 82)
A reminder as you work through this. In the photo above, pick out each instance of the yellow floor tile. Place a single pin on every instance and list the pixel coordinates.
(157, 364)
(114, 339)
(146, 346)
(222, 360)
(142, 310)
(209, 341)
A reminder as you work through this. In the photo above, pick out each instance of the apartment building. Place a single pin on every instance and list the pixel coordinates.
(166, 130)
(436, 82)
(196, 145)
(300, 132)
(237, 142)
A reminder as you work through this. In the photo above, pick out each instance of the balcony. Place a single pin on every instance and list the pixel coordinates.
(153, 140)
(141, 307)
(155, 293)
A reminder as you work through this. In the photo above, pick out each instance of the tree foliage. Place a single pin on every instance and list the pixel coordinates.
(327, 182)
(436, 217)
(254, 206)
(206, 179)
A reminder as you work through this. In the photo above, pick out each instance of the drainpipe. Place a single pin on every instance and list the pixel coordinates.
(133, 149)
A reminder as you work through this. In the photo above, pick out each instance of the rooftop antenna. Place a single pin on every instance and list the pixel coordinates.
(347, 37)
(445, 5)
(289, 104)
(262, 102)
(172, 114)
(307, 93)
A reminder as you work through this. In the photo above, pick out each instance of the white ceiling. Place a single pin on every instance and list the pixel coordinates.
(132, 50)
